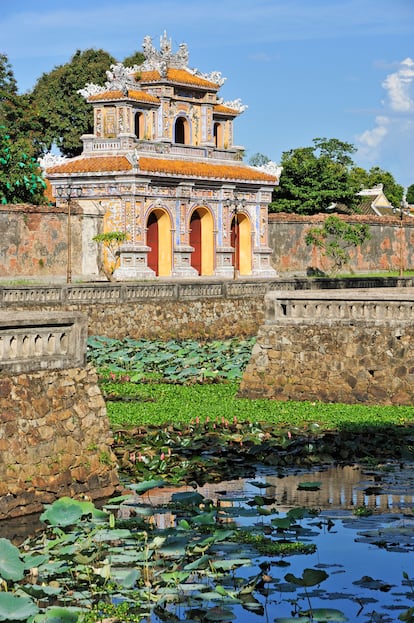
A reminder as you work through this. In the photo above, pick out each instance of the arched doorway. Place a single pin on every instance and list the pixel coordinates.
(159, 241)
(202, 241)
(218, 135)
(241, 241)
(139, 125)
(181, 131)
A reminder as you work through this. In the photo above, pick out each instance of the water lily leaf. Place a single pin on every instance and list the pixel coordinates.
(309, 486)
(327, 615)
(111, 535)
(125, 577)
(200, 563)
(310, 577)
(58, 615)
(41, 590)
(146, 485)
(30, 561)
(187, 498)
(63, 512)
(15, 608)
(282, 523)
(205, 519)
(226, 565)
(11, 567)
(217, 613)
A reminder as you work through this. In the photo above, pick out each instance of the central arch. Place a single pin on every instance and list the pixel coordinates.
(202, 241)
(159, 242)
(182, 131)
(241, 241)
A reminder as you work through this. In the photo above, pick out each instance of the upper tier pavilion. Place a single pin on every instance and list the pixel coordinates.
(163, 167)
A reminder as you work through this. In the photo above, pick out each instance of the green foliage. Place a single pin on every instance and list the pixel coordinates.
(312, 178)
(184, 361)
(61, 113)
(258, 160)
(137, 58)
(111, 241)
(336, 238)
(20, 177)
(410, 194)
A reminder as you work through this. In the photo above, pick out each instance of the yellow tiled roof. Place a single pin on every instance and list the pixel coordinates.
(178, 75)
(184, 168)
(140, 96)
(203, 169)
(225, 109)
(93, 165)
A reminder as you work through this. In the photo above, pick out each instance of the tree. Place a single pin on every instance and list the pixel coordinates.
(259, 160)
(137, 58)
(21, 180)
(336, 238)
(410, 194)
(111, 242)
(62, 113)
(360, 178)
(314, 177)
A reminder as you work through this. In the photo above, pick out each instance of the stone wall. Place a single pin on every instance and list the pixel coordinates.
(54, 432)
(342, 347)
(171, 309)
(389, 245)
(34, 241)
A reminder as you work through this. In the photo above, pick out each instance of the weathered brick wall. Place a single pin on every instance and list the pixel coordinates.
(340, 347)
(389, 244)
(54, 439)
(33, 241)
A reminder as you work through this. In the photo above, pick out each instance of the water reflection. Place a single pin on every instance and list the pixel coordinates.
(389, 489)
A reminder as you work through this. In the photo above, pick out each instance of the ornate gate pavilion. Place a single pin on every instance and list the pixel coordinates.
(162, 166)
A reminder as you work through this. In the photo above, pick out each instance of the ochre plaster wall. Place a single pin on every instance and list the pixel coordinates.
(389, 244)
(33, 241)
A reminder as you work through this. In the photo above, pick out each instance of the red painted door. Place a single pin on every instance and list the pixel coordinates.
(195, 241)
(152, 241)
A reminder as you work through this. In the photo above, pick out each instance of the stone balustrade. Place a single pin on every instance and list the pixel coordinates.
(343, 346)
(38, 341)
(380, 304)
(55, 438)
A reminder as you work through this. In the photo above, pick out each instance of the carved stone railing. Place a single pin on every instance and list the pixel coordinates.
(41, 341)
(319, 306)
(117, 293)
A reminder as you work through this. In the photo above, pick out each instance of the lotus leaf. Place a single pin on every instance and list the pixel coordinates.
(187, 498)
(58, 615)
(16, 608)
(327, 615)
(64, 512)
(147, 485)
(310, 577)
(11, 566)
(309, 486)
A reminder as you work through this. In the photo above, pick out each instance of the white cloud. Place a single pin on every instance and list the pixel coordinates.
(399, 87)
(371, 139)
(393, 130)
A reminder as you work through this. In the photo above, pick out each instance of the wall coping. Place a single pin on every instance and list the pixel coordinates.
(175, 290)
(42, 341)
(318, 307)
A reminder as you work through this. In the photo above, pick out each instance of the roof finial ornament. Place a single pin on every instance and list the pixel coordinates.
(158, 60)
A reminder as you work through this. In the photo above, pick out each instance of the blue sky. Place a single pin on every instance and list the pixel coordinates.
(305, 68)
